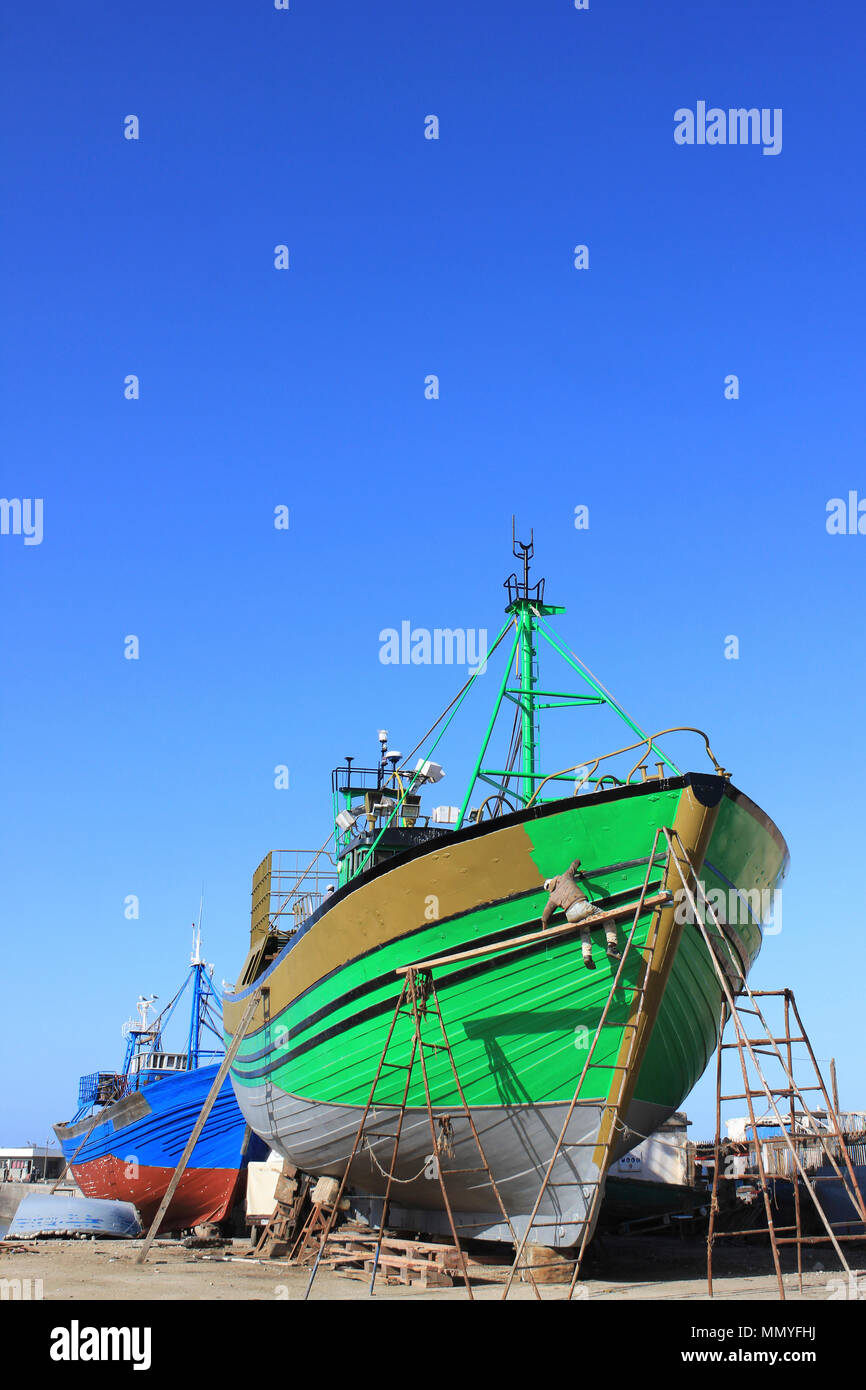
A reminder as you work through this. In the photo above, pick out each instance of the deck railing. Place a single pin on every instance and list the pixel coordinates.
(296, 885)
(584, 774)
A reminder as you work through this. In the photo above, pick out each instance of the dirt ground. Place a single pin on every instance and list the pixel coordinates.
(622, 1268)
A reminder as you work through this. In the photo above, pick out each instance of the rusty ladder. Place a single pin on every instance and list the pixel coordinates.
(418, 998)
(614, 1105)
(749, 1049)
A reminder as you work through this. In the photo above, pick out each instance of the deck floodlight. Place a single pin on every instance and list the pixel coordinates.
(346, 821)
(445, 815)
(428, 771)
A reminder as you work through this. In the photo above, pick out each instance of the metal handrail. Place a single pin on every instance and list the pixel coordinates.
(645, 743)
(308, 875)
(494, 796)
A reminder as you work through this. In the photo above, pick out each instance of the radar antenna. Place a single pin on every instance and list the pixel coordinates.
(139, 1025)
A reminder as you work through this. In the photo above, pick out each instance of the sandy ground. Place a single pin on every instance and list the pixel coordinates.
(73, 1271)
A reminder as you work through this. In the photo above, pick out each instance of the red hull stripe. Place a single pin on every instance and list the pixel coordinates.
(203, 1194)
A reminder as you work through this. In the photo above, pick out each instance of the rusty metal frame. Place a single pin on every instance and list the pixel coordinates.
(753, 1047)
(589, 1218)
(418, 997)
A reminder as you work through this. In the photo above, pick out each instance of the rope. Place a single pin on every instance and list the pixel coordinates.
(456, 703)
(458, 696)
(513, 750)
(402, 1181)
(630, 1129)
(94, 1120)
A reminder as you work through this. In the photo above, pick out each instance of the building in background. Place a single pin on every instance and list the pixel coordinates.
(33, 1163)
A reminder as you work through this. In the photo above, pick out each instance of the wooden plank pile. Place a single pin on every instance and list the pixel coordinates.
(351, 1253)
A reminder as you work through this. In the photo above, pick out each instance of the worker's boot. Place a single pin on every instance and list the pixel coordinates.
(611, 942)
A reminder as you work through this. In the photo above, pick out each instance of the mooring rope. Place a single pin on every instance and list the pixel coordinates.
(368, 1146)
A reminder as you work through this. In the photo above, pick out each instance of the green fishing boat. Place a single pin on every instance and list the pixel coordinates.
(398, 885)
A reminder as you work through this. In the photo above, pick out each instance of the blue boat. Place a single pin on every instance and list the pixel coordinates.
(132, 1126)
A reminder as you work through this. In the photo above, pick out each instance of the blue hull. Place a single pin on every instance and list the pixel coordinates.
(132, 1151)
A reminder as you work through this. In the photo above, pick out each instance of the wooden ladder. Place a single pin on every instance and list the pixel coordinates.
(282, 1226)
(320, 1220)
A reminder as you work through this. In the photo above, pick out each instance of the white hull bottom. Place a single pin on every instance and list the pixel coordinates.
(518, 1142)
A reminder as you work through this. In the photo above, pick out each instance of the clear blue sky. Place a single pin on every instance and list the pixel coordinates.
(305, 387)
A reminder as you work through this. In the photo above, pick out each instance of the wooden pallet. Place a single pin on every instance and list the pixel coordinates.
(400, 1261)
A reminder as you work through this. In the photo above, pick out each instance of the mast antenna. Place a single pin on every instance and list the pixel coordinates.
(196, 956)
(523, 550)
(520, 592)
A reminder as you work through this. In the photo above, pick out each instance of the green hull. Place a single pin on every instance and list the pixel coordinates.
(519, 1024)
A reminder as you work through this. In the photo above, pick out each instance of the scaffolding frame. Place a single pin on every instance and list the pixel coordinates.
(749, 1051)
(418, 999)
(611, 1109)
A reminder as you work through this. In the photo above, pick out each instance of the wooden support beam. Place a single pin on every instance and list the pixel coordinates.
(548, 934)
(199, 1125)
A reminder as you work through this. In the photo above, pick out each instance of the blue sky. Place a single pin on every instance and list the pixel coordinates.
(558, 388)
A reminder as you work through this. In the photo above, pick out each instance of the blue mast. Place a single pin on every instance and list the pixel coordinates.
(146, 1059)
(202, 990)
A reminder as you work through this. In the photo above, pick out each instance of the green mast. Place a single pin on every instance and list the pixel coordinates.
(526, 609)
(526, 605)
